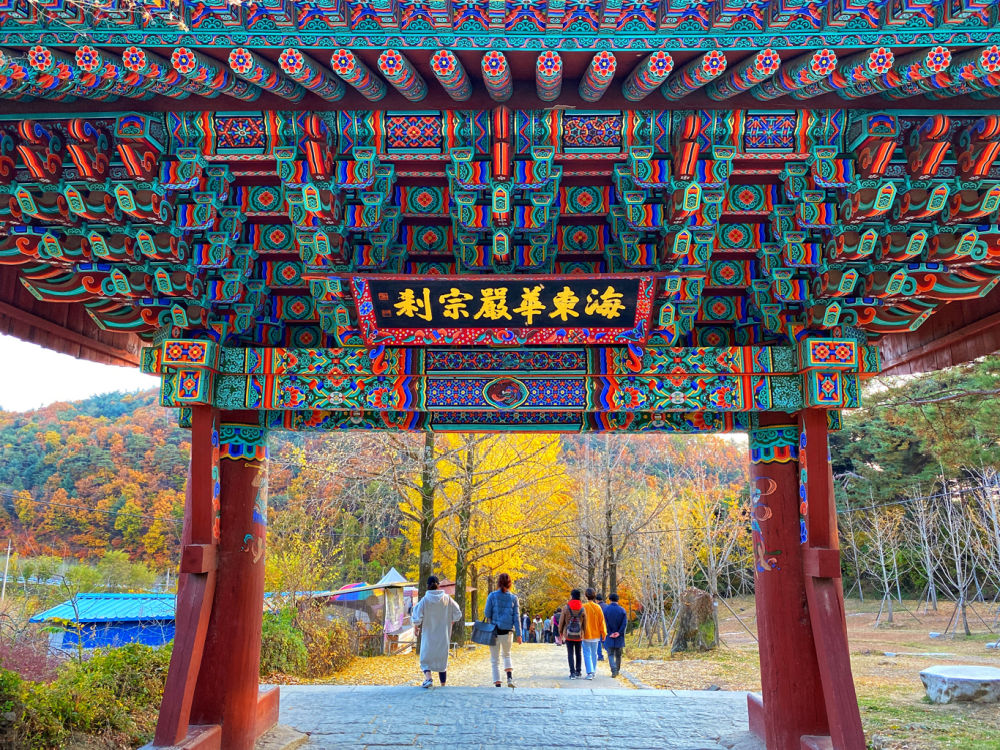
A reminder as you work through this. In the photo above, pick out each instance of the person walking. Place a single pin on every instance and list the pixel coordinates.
(502, 609)
(435, 614)
(547, 630)
(556, 620)
(593, 633)
(615, 620)
(600, 644)
(571, 630)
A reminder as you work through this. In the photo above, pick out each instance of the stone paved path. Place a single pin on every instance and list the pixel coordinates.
(466, 718)
(536, 665)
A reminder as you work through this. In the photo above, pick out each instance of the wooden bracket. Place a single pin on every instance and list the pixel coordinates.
(199, 558)
(821, 562)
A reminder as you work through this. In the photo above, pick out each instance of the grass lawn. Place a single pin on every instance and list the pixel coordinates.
(894, 710)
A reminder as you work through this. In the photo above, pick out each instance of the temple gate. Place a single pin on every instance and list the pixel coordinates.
(561, 215)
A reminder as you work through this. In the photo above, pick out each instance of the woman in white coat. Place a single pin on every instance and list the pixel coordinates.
(435, 614)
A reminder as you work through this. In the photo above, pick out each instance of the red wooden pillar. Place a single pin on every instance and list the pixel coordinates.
(196, 583)
(791, 689)
(227, 688)
(824, 587)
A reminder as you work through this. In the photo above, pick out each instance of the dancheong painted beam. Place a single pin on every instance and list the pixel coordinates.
(565, 389)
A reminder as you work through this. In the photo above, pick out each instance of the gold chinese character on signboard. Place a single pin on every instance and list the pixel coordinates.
(410, 305)
(455, 304)
(565, 305)
(608, 305)
(530, 305)
(494, 305)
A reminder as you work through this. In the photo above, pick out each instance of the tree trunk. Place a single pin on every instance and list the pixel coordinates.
(591, 564)
(474, 597)
(426, 564)
(461, 574)
(695, 626)
(929, 568)
(461, 554)
(610, 565)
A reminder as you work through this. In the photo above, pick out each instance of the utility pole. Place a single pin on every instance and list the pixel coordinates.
(6, 565)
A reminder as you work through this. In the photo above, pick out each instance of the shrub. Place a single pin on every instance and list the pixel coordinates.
(11, 706)
(27, 653)
(115, 693)
(41, 723)
(327, 640)
(282, 648)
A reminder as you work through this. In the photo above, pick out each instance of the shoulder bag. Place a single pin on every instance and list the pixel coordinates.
(484, 633)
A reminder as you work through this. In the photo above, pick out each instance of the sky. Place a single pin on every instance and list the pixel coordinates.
(31, 376)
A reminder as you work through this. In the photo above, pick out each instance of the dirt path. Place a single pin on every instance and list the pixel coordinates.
(536, 665)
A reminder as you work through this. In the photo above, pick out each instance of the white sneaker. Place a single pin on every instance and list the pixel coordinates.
(427, 683)
(590, 675)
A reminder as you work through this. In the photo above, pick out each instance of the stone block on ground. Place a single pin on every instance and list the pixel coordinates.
(281, 737)
(954, 683)
(742, 741)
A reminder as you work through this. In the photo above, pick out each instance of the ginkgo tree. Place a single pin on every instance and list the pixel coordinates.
(500, 492)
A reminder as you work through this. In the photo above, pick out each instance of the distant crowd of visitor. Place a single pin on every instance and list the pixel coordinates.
(587, 628)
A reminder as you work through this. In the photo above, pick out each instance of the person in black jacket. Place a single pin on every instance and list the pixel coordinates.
(617, 620)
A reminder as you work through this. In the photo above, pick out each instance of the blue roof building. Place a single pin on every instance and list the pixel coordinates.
(108, 620)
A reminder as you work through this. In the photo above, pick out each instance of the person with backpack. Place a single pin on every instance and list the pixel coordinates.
(616, 620)
(435, 615)
(593, 633)
(502, 609)
(571, 629)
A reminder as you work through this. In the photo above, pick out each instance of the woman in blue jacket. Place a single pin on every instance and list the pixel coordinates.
(503, 610)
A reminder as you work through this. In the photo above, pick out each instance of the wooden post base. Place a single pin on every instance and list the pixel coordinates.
(807, 699)
(267, 710)
(755, 710)
(209, 736)
(199, 737)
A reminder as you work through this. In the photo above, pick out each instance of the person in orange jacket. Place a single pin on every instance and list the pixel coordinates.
(594, 631)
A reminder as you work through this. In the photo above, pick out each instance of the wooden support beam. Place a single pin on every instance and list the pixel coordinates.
(199, 558)
(196, 583)
(824, 588)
